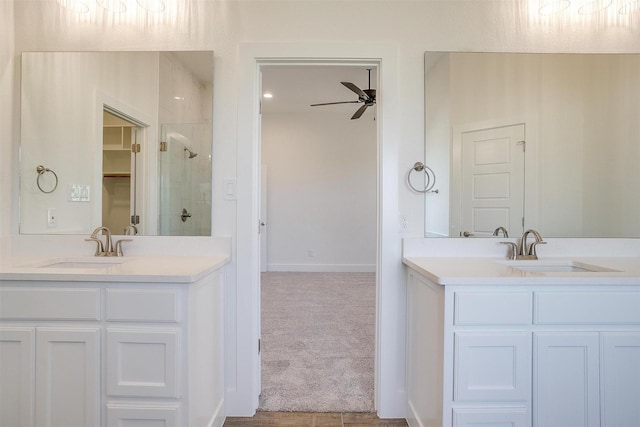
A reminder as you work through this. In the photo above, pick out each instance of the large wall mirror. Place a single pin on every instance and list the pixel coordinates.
(120, 139)
(544, 141)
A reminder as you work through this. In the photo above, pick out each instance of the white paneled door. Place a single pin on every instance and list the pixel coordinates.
(493, 180)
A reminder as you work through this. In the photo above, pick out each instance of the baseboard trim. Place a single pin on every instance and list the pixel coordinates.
(323, 268)
(218, 417)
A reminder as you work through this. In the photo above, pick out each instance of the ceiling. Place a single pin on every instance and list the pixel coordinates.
(295, 87)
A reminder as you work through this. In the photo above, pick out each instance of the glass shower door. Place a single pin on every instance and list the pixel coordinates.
(185, 180)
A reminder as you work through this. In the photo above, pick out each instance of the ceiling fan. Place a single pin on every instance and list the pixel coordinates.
(366, 97)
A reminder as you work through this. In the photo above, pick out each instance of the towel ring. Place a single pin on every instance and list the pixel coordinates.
(41, 171)
(430, 178)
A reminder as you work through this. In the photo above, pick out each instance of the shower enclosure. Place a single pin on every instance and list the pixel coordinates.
(185, 180)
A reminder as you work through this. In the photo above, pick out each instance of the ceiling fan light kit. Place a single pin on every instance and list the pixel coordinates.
(366, 97)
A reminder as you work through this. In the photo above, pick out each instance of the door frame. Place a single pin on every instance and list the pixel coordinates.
(145, 185)
(242, 368)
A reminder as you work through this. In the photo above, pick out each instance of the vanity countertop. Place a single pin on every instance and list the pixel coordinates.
(498, 271)
(156, 269)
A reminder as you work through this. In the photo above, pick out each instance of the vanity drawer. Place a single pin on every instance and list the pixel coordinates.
(587, 308)
(492, 308)
(142, 305)
(28, 303)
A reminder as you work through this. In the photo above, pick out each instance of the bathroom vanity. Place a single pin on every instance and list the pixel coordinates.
(101, 341)
(553, 342)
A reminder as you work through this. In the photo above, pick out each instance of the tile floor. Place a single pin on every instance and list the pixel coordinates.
(313, 419)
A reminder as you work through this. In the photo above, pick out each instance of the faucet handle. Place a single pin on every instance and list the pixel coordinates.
(532, 248)
(99, 246)
(512, 249)
(118, 249)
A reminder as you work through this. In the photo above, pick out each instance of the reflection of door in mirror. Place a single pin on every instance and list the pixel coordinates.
(492, 180)
(185, 180)
(120, 145)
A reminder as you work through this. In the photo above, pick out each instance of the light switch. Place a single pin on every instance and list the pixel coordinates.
(79, 193)
(229, 190)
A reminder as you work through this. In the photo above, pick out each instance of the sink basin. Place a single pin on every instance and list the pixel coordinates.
(546, 266)
(89, 262)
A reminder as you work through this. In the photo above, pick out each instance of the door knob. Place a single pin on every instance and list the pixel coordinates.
(467, 234)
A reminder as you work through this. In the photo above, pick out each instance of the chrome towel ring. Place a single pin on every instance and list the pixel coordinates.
(41, 171)
(430, 178)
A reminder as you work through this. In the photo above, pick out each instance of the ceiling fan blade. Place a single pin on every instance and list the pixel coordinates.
(360, 112)
(334, 103)
(356, 89)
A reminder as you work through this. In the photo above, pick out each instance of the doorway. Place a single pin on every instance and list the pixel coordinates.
(121, 142)
(322, 233)
(242, 320)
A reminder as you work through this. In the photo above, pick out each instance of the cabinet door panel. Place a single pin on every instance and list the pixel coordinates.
(17, 366)
(492, 366)
(566, 379)
(142, 363)
(67, 377)
(620, 379)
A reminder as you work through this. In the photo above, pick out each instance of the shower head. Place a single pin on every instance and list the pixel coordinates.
(191, 153)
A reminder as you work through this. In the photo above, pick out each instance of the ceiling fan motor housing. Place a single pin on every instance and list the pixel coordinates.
(371, 93)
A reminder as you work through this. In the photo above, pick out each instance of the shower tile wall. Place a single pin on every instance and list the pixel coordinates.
(185, 108)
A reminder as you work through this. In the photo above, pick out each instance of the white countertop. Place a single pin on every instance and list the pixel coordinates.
(496, 271)
(156, 269)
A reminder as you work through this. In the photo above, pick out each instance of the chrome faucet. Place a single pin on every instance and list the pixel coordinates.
(504, 231)
(522, 251)
(106, 249)
(101, 249)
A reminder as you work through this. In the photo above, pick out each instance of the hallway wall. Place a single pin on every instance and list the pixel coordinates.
(321, 191)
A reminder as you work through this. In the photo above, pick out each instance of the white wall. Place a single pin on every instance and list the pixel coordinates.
(8, 128)
(413, 27)
(322, 191)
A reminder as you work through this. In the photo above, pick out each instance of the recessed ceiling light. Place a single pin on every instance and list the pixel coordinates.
(267, 95)
(179, 98)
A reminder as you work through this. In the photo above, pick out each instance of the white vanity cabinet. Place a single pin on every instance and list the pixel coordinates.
(112, 353)
(522, 355)
(49, 356)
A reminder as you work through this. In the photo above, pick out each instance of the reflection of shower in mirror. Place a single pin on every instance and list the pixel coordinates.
(184, 179)
(191, 153)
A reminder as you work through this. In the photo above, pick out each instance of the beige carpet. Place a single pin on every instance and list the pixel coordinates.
(318, 332)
